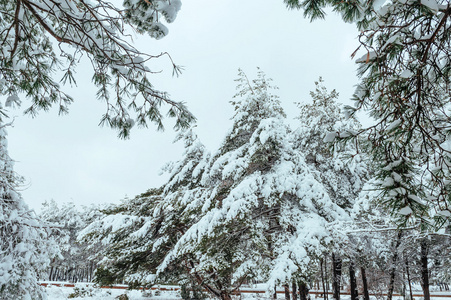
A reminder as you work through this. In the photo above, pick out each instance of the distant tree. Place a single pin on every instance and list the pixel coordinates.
(25, 248)
(40, 38)
(405, 86)
(75, 262)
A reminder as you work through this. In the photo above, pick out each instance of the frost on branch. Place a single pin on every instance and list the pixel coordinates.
(39, 38)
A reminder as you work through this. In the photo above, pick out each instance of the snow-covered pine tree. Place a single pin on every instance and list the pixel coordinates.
(40, 38)
(342, 168)
(265, 213)
(405, 85)
(25, 248)
(141, 231)
(124, 230)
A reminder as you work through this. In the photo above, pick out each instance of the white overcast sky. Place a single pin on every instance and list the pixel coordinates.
(69, 158)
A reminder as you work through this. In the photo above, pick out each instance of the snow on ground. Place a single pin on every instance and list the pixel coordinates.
(89, 292)
(85, 291)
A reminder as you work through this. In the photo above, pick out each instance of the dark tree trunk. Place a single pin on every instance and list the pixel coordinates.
(323, 279)
(55, 274)
(425, 270)
(408, 279)
(336, 280)
(354, 293)
(326, 278)
(286, 289)
(302, 290)
(293, 290)
(366, 295)
(274, 296)
(391, 285)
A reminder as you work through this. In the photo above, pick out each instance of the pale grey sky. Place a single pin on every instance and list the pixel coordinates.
(70, 158)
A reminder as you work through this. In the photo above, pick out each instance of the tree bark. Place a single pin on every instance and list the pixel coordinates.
(302, 290)
(424, 269)
(287, 291)
(408, 279)
(322, 279)
(366, 295)
(293, 290)
(353, 283)
(336, 271)
(391, 285)
(326, 277)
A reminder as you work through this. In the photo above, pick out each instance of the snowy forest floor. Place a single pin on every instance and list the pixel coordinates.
(89, 292)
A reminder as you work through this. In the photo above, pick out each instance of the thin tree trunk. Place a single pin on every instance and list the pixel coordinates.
(408, 279)
(391, 285)
(425, 270)
(51, 273)
(293, 290)
(326, 277)
(275, 293)
(55, 274)
(336, 280)
(353, 282)
(287, 291)
(322, 279)
(366, 295)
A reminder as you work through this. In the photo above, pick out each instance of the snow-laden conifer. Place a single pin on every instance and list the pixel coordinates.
(265, 214)
(256, 211)
(141, 231)
(340, 169)
(25, 250)
(405, 85)
(41, 38)
(343, 169)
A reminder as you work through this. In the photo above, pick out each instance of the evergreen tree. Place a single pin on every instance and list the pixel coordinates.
(228, 237)
(256, 211)
(126, 230)
(343, 169)
(404, 84)
(140, 232)
(265, 213)
(40, 38)
(25, 250)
